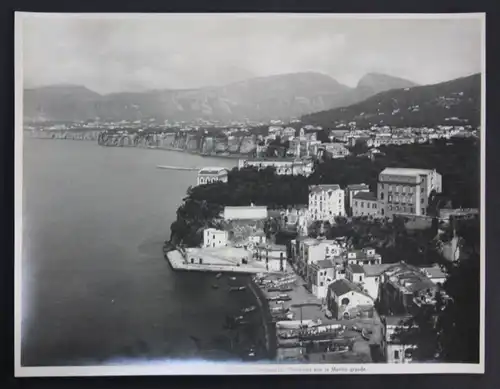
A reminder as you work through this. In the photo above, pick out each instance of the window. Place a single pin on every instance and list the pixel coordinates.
(396, 355)
(390, 207)
(356, 203)
(422, 200)
(411, 210)
(321, 283)
(360, 278)
(345, 301)
(390, 198)
(374, 205)
(381, 195)
(362, 204)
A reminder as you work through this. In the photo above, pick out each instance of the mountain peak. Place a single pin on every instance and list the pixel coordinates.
(379, 82)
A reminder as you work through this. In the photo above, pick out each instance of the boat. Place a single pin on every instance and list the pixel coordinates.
(237, 288)
(232, 278)
(249, 309)
(275, 289)
(215, 286)
(218, 275)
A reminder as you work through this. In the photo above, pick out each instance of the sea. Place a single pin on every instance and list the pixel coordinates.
(96, 288)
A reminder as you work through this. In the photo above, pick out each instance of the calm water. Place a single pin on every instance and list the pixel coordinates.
(95, 285)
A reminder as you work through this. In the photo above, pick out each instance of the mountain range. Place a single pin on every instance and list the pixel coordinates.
(258, 99)
(455, 102)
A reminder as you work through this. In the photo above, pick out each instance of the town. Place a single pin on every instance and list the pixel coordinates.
(331, 301)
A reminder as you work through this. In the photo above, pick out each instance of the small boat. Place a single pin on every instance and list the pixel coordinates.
(237, 289)
(249, 309)
(218, 275)
(282, 289)
(232, 278)
(215, 286)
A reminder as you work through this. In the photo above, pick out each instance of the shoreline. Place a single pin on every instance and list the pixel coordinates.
(160, 148)
(267, 323)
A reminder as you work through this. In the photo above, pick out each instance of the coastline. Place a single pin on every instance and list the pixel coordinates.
(267, 323)
(235, 156)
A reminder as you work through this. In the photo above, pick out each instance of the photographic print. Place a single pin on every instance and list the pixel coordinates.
(249, 194)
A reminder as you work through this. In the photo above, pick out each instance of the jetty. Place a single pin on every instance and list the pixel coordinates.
(177, 168)
(211, 262)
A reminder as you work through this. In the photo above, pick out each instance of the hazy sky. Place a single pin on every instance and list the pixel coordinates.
(186, 51)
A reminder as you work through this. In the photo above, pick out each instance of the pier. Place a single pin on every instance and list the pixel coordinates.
(177, 168)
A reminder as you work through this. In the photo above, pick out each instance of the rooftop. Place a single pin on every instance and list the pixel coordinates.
(213, 170)
(405, 171)
(323, 188)
(434, 272)
(358, 186)
(356, 268)
(343, 286)
(375, 270)
(369, 196)
(325, 264)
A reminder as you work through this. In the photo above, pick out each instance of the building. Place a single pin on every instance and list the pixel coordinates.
(326, 202)
(320, 276)
(351, 191)
(434, 273)
(365, 204)
(209, 175)
(366, 256)
(250, 212)
(346, 300)
(406, 191)
(283, 166)
(372, 278)
(395, 350)
(335, 150)
(214, 238)
(405, 288)
(258, 238)
(275, 256)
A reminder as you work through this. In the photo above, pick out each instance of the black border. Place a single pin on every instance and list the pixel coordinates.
(492, 362)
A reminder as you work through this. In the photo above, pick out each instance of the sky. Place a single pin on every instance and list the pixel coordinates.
(190, 51)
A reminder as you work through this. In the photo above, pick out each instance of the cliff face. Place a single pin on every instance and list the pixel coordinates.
(188, 142)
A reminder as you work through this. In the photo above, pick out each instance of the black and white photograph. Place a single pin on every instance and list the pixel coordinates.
(249, 193)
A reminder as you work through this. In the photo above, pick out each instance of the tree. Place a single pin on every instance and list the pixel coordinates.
(449, 330)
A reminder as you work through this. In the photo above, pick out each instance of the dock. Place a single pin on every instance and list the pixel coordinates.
(177, 168)
(211, 264)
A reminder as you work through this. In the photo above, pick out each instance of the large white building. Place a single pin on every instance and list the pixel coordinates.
(325, 202)
(406, 191)
(248, 212)
(209, 175)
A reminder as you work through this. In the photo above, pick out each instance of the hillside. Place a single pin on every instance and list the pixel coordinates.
(259, 99)
(452, 102)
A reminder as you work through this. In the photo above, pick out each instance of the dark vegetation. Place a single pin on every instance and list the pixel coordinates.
(457, 160)
(449, 331)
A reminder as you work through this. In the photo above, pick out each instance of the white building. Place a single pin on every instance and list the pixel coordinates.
(209, 175)
(214, 238)
(326, 202)
(346, 299)
(372, 278)
(366, 256)
(321, 275)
